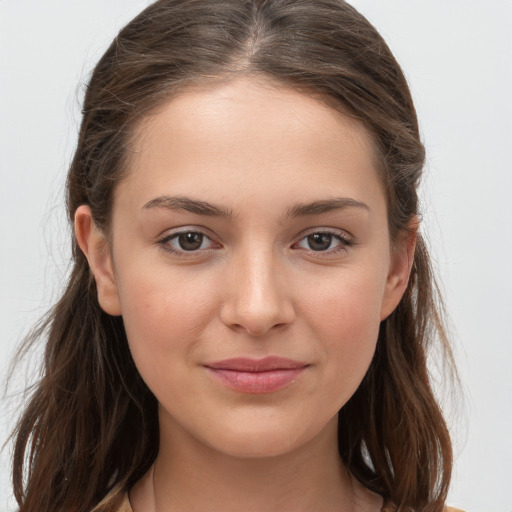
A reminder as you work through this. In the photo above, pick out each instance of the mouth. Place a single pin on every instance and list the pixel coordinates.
(247, 375)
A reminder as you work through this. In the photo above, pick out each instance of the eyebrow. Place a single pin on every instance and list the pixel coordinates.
(189, 205)
(327, 205)
(299, 210)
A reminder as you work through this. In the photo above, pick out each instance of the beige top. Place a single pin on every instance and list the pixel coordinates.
(126, 507)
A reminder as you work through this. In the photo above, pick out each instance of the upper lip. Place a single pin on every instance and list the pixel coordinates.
(247, 364)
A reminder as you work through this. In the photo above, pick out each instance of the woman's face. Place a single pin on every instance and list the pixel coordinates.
(251, 262)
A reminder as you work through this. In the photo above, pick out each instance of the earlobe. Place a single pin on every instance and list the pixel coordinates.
(402, 259)
(94, 245)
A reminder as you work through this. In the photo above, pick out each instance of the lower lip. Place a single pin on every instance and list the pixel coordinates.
(256, 382)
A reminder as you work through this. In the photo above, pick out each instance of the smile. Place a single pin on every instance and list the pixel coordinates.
(247, 375)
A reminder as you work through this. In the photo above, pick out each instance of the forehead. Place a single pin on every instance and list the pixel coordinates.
(252, 103)
(237, 136)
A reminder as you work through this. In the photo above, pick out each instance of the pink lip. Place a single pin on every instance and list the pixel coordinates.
(256, 375)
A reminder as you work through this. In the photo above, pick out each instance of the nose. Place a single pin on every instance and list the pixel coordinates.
(256, 296)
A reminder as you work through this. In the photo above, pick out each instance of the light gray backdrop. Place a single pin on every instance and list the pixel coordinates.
(457, 55)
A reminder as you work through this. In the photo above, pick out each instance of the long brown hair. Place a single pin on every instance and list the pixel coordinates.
(90, 405)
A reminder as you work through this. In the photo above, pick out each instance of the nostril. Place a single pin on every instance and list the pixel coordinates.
(256, 325)
(261, 332)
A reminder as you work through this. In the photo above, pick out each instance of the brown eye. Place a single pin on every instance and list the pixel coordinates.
(319, 241)
(190, 241)
(187, 242)
(325, 242)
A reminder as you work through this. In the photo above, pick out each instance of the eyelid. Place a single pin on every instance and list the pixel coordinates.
(164, 239)
(345, 235)
(346, 240)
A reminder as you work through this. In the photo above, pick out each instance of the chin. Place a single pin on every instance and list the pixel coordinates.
(257, 446)
(256, 440)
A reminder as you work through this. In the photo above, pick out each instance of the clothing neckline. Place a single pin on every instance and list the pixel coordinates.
(386, 506)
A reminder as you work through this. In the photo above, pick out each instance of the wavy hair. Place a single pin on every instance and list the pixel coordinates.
(90, 402)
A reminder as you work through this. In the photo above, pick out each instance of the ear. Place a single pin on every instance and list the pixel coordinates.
(94, 245)
(402, 258)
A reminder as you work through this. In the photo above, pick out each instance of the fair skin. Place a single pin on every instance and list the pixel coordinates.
(293, 260)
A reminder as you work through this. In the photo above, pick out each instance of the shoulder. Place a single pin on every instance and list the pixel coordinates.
(124, 506)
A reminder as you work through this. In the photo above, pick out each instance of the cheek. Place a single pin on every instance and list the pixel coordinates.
(346, 317)
(163, 317)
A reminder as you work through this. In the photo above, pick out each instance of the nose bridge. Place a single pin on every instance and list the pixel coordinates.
(257, 298)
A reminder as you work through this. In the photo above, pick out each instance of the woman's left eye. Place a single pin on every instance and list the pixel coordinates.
(324, 242)
(187, 242)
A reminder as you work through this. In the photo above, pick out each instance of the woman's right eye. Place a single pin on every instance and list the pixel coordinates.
(187, 242)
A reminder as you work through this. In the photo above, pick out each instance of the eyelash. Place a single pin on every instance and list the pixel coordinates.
(344, 243)
(166, 240)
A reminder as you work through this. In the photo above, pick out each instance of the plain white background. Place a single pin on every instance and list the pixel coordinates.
(457, 56)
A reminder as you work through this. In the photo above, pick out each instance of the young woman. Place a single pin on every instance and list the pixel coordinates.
(251, 304)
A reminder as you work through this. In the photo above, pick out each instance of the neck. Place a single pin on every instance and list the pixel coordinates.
(190, 476)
